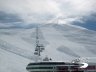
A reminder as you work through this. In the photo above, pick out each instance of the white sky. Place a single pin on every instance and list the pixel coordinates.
(44, 10)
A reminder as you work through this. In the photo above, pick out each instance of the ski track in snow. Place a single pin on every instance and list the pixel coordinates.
(18, 51)
(10, 62)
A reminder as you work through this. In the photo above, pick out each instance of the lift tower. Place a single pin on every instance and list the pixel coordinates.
(39, 47)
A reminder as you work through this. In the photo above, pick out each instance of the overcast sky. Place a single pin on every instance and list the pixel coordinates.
(38, 11)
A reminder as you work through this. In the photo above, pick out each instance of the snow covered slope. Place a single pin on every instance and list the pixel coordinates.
(62, 43)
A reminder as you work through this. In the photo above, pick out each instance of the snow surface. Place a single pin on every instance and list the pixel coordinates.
(62, 43)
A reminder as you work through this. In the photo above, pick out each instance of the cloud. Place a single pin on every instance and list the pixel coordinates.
(8, 18)
(77, 7)
(32, 11)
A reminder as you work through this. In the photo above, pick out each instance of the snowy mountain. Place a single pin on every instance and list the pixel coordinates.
(62, 43)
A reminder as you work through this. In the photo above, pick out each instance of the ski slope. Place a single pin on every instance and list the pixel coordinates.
(62, 43)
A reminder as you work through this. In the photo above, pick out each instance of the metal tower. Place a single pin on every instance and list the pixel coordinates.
(39, 47)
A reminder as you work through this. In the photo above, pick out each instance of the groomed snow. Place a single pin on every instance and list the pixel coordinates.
(62, 43)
